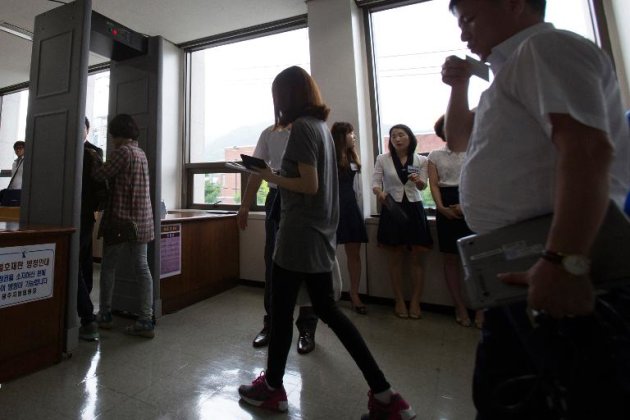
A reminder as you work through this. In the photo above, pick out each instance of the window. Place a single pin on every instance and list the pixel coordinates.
(230, 104)
(96, 108)
(12, 128)
(13, 119)
(410, 43)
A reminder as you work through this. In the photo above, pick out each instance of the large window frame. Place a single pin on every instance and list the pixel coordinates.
(370, 7)
(191, 169)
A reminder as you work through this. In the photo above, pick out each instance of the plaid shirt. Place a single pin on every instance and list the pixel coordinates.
(127, 170)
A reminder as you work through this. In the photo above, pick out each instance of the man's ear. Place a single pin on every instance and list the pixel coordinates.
(517, 6)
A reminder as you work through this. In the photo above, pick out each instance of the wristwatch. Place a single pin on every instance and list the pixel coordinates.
(578, 265)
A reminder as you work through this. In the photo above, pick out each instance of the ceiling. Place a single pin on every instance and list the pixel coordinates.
(176, 20)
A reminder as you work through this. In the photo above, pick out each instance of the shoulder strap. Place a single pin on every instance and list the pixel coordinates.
(17, 168)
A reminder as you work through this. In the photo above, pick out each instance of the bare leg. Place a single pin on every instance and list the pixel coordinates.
(452, 275)
(479, 317)
(353, 257)
(394, 259)
(417, 274)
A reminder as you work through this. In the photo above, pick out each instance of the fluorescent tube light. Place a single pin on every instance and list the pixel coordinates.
(16, 30)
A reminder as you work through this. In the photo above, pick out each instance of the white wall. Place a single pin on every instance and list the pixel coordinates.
(171, 123)
(374, 274)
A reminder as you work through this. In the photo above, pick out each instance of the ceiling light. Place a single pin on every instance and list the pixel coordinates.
(16, 30)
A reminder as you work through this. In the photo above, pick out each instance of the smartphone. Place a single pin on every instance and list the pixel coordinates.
(478, 68)
(252, 162)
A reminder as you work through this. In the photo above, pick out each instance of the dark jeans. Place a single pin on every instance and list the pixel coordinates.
(320, 289)
(85, 308)
(307, 320)
(582, 363)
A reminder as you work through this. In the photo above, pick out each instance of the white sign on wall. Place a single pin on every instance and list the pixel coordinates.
(26, 273)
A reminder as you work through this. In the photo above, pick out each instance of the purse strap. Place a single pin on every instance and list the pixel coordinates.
(17, 168)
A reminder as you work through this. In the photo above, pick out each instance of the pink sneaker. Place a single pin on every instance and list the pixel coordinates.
(258, 394)
(397, 409)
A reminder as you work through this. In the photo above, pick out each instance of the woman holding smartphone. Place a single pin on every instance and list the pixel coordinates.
(306, 247)
(398, 178)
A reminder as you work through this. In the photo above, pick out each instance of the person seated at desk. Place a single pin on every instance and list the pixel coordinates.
(15, 183)
(17, 167)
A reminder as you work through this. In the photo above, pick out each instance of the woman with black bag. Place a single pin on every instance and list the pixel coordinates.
(127, 225)
(398, 178)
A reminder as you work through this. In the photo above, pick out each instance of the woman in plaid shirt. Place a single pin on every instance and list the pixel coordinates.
(127, 171)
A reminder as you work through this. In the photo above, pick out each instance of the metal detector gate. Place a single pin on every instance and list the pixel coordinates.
(51, 192)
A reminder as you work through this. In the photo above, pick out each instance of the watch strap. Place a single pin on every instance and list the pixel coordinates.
(552, 256)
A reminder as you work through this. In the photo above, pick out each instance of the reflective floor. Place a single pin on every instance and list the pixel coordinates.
(200, 355)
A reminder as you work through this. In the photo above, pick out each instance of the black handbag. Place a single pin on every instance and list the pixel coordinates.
(10, 198)
(119, 231)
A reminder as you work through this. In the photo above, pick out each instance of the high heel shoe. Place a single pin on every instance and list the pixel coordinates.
(413, 313)
(463, 322)
(401, 313)
(360, 309)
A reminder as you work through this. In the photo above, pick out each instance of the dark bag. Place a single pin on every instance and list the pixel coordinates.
(119, 231)
(395, 209)
(10, 198)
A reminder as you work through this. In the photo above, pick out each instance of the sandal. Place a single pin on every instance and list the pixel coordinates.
(463, 322)
(401, 313)
(360, 309)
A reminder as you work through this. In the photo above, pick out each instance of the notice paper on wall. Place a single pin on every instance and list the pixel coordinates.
(170, 250)
(26, 274)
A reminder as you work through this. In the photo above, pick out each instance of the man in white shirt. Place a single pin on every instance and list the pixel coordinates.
(548, 136)
(18, 166)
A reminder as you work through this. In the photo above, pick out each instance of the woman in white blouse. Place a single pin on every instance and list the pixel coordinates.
(444, 169)
(399, 176)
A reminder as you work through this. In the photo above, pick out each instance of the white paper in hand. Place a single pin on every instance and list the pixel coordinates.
(478, 68)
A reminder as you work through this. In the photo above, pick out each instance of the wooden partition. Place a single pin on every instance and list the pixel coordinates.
(209, 258)
(33, 334)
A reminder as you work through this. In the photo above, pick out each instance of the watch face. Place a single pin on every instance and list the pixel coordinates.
(578, 265)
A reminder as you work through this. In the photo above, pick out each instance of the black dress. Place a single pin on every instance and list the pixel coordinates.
(351, 228)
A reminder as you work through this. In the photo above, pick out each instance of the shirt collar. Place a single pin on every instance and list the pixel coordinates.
(504, 50)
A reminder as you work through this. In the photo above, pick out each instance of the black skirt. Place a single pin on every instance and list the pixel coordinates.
(450, 230)
(415, 231)
(351, 227)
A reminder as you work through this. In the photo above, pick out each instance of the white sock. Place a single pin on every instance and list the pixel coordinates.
(385, 396)
(269, 387)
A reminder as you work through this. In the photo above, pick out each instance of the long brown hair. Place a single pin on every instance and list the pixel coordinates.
(296, 94)
(345, 153)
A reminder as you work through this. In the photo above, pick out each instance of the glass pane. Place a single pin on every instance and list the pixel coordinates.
(262, 193)
(410, 45)
(231, 92)
(12, 129)
(96, 108)
(217, 188)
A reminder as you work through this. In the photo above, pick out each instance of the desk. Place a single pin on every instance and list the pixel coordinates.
(33, 332)
(210, 258)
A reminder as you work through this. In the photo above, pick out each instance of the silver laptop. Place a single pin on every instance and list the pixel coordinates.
(517, 247)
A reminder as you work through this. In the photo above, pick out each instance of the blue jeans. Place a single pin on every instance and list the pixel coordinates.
(320, 289)
(138, 252)
(582, 363)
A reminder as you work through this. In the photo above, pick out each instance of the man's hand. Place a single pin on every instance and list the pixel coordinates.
(553, 290)
(455, 71)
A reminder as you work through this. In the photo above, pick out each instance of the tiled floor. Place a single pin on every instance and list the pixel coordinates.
(200, 355)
